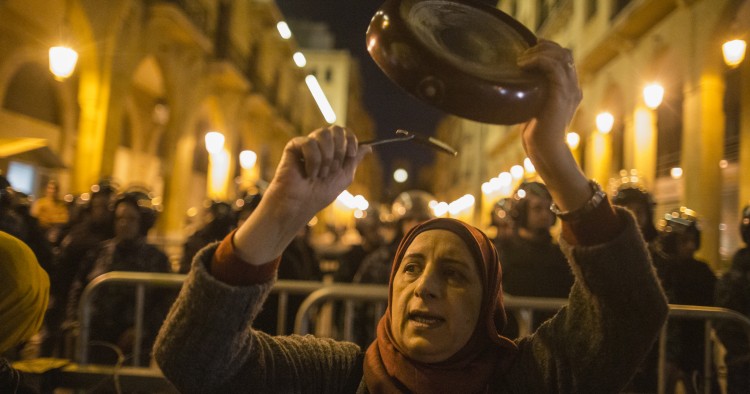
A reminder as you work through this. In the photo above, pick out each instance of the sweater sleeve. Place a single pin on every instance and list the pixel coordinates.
(207, 344)
(615, 311)
(230, 269)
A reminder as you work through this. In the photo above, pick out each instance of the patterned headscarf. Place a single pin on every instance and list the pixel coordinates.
(24, 292)
(473, 367)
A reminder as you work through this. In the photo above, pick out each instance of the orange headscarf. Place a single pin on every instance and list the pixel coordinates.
(24, 292)
(487, 353)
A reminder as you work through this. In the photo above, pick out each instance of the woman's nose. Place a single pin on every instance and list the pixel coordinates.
(428, 285)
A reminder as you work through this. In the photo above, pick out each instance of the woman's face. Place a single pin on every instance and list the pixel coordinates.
(437, 294)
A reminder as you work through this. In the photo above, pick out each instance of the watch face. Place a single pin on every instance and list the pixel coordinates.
(458, 56)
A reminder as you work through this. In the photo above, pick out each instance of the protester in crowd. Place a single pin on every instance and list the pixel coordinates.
(220, 221)
(733, 292)
(501, 219)
(94, 225)
(24, 292)
(113, 310)
(369, 229)
(632, 195)
(50, 210)
(533, 265)
(441, 330)
(687, 281)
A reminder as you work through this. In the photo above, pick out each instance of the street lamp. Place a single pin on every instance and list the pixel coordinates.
(734, 52)
(400, 175)
(248, 159)
(573, 140)
(214, 142)
(604, 122)
(62, 61)
(653, 94)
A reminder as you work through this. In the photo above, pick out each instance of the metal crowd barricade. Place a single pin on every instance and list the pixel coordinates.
(320, 292)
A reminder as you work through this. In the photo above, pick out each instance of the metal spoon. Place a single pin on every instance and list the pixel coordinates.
(405, 135)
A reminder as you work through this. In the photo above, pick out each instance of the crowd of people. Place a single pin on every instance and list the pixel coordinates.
(444, 327)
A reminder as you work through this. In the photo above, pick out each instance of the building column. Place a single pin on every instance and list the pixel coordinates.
(702, 149)
(643, 157)
(744, 160)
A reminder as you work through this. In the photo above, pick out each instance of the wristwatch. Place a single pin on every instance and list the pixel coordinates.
(576, 214)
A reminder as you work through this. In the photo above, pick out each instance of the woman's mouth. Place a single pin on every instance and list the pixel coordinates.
(427, 320)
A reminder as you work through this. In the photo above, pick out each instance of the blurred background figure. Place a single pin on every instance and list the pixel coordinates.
(533, 265)
(246, 207)
(632, 194)
(733, 292)
(113, 312)
(369, 228)
(93, 223)
(24, 292)
(298, 262)
(51, 211)
(220, 220)
(501, 219)
(687, 281)
(10, 222)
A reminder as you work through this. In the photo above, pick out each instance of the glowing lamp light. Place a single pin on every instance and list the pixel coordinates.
(400, 175)
(284, 30)
(320, 99)
(604, 122)
(676, 173)
(516, 171)
(573, 139)
(653, 94)
(248, 159)
(734, 52)
(214, 142)
(528, 165)
(62, 61)
(299, 59)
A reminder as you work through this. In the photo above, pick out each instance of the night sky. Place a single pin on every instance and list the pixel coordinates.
(391, 107)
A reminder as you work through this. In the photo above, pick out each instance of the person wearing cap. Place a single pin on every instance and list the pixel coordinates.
(441, 331)
(24, 293)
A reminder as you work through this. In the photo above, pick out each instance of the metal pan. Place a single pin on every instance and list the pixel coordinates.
(458, 56)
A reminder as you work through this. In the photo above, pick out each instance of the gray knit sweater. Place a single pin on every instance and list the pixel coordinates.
(593, 345)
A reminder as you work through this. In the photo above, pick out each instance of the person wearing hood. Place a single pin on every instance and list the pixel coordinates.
(441, 331)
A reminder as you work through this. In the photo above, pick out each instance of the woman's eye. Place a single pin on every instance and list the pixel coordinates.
(411, 268)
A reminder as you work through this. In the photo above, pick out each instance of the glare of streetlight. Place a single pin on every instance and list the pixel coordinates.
(400, 175)
(299, 59)
(248, 159)
(734, 52)
(573, 139)
(516, 171)
(676, 173)
(653, 94)
(62, 61)
(284, 30)
(604, 122)
(320, 99)
(214, 142)
(528, 165)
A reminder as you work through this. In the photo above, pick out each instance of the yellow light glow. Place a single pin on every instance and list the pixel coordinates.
(528, 165)
(676, 173)
(573, 140)
(734, 52)
(62, 61)
(214, 142)
(516, 171)
(400, 175)
(299, 59)
(284, 30)
(218, 175)
(248, 159)
(320, 98)
(653, 94)
(604, 122)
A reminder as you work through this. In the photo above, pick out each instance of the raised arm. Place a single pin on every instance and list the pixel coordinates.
(544, 137)
(313, 171)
